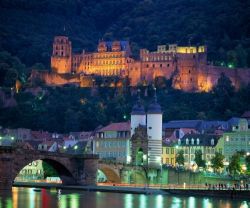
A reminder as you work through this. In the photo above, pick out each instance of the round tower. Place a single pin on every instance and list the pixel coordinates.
(154, 132)
(138, 115)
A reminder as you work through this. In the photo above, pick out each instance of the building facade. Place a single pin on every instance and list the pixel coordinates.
(190, 143)
(169, 154)
(237, 140)
(112, 142)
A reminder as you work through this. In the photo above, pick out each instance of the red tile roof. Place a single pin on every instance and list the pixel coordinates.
(122, 126)
(246, 114)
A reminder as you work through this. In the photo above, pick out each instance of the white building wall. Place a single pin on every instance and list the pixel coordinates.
(154, 131)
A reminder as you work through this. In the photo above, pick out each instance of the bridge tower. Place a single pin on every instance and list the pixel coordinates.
(138, 115)
(154, 132)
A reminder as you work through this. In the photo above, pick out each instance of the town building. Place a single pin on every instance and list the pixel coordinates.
(112, 142)
(169, 153)
(190, 143)
(236, 140)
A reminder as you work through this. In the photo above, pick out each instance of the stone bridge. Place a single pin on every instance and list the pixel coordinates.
(72, 169)
(123, 173)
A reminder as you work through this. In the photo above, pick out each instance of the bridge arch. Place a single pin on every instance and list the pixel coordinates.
(72, 169)
(112, 174)
(63, 172)
(138, 177)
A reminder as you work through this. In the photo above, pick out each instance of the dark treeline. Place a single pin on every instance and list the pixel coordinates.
(27, 27)
(73, 109)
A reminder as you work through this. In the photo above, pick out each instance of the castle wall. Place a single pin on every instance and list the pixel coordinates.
(54, 78)
(237, 76)
(187, 65)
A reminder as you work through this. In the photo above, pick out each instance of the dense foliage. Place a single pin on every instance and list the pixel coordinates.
(70, 108)
(27, 27)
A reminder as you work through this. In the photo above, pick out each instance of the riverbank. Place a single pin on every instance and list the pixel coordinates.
(232, 194)
(116, 189)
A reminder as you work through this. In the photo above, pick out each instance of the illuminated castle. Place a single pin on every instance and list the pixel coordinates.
(185, 65)
(111, 58)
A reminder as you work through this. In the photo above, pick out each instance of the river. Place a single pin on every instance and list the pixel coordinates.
(46, 198)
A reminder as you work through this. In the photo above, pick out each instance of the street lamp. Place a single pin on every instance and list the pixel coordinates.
(75, 148)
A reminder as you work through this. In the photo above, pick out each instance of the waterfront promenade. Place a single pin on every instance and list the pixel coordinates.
(192, 190)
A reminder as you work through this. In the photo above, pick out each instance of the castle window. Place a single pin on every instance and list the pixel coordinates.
(160, 65)
(193, 56)
(190, 79)
(147, 65)
(62, 53)
(167, 65)
(191, 50)
(62, 47)
(189, 71)
(212, 141)
(187, 141)
(153, 66)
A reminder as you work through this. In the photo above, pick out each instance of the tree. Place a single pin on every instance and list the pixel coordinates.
(247, 160)
(223, 93)
(48, 170)
(217, 161)
(234, 165)
(180, 157)
(198, 159)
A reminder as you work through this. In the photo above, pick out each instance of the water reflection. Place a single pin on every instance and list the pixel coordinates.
(45, 198)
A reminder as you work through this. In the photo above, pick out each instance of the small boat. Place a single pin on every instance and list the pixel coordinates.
(37, 190)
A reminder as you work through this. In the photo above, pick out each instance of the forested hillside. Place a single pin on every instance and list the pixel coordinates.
(27, 27)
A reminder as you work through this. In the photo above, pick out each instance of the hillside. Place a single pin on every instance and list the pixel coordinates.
(27, 27)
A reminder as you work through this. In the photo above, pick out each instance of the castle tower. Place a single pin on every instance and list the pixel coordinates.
(138, 115)
(154, 132)
(61, 59)
(189, 60)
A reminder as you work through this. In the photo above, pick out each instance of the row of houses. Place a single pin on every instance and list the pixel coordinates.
(113, 142)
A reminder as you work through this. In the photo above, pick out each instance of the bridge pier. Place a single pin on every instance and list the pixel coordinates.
(86, 174)
(6, 167)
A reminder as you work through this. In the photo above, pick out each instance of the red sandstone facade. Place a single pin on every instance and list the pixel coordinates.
(186, 65)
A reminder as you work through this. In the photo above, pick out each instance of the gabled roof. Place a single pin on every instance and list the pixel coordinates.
(246, 115)
(33, 143)
(234, 121)
(124, 44)
(122, 126)
(204, 139)
(176, 124)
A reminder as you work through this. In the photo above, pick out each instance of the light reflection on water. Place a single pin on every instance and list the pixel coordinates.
(46, 198)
